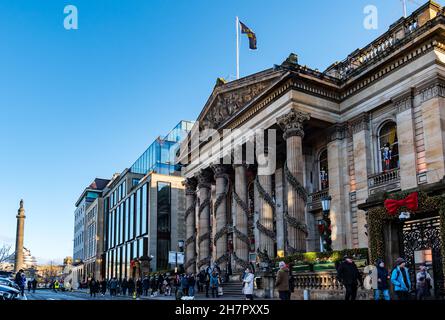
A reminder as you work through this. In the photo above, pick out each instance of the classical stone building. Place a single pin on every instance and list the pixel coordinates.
(372, 124)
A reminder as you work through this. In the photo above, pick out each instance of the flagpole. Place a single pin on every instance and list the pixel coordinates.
(404, 8)
(237, 48)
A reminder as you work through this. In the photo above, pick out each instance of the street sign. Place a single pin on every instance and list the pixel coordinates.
(173, 255)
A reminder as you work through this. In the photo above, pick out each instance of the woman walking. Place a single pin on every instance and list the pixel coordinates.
(248, 284)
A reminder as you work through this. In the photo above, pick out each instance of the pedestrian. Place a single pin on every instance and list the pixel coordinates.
(191, 285)
(103, 286)
(56, 285)
(113, 286)
(214, 283)
(282, 282)
(124, 286)
(248, 284)
(131, 287)
(19, 281)
(350, 277)
(400, 280)
(29, 286)
(207, 283)
(185, 285)
(34, 285)
(153, 285)
(423, 283)
(382, 281)
(138, 287)
(160, 282)
(92, 286)
(145, 285)
(201, 280)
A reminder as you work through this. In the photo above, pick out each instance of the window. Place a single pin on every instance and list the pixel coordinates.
(163, 223)
(323, 170)
(389, 147)
(131, 224)
(138, 212)
(144, 209)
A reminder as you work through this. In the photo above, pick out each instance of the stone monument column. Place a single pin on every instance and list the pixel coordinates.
(19, 238)
(222, 180)
(190, 223)
(292, 125)
(241, 243)
(204, 186)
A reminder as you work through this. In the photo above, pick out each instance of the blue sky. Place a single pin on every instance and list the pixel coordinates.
(80, 104)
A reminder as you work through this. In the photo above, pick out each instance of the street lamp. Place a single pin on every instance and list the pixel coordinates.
(326, 207)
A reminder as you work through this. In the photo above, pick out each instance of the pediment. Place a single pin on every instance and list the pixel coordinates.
(229, 98)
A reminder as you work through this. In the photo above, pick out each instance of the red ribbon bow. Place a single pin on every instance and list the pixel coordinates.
(410, 202)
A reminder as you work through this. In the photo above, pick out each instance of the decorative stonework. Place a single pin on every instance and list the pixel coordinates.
(204, 179)
(359, 123)
(190, 186)
(337, 132)
(228, 103)
(220, 170)
(404, 102)
(431, 91)
(292, 123)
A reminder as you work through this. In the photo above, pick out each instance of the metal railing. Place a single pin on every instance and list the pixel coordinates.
(314, 199)
(384, 178)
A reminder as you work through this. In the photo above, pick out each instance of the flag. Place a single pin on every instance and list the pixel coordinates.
(250, 34)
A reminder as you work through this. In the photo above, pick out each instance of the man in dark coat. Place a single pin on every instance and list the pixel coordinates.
(350, 277)
(131, 286)
(34, 285)
(145, 285)
(103, 286)
(124, 286)
(382, 281)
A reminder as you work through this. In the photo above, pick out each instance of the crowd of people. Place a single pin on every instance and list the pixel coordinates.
(399, 277)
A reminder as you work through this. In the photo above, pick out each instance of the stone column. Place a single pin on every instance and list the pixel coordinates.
(405, 135)
(292, 125)
(220, 210)
(190, 216)
(279, 209)
(338, 185)
(266, 206)
(204, 186)
(362, 164)
(241, 243)
(433, 117)
(19, 238)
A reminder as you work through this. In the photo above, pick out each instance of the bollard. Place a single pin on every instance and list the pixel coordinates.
(306, 294)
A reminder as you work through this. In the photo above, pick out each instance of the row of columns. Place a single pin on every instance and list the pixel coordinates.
(198, 197)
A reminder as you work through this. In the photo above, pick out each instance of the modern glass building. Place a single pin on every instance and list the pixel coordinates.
(160, 155)
(143, 208)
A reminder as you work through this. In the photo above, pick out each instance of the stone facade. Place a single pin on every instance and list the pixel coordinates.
(390, 92)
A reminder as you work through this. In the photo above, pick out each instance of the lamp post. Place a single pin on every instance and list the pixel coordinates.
(326, 207)
(180, 249)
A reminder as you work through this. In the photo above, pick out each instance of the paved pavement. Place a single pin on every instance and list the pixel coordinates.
(46, 294)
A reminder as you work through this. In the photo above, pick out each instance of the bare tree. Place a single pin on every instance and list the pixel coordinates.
(5, 252)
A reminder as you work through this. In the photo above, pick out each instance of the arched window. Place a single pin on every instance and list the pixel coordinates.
(389, 147)
(323, 170)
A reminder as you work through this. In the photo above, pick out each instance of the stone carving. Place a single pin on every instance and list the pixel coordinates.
(228, 103)
(359, 123)
(292, 123)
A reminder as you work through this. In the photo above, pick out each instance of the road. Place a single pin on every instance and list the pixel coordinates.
(46, 294)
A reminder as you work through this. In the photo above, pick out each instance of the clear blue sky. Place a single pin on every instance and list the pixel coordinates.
(85, 103)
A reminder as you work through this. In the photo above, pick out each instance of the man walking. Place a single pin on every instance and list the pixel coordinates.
(400, 279)
(282, 282)
(382, 281)
(350, 277)
(423, 283)
(34, 285)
